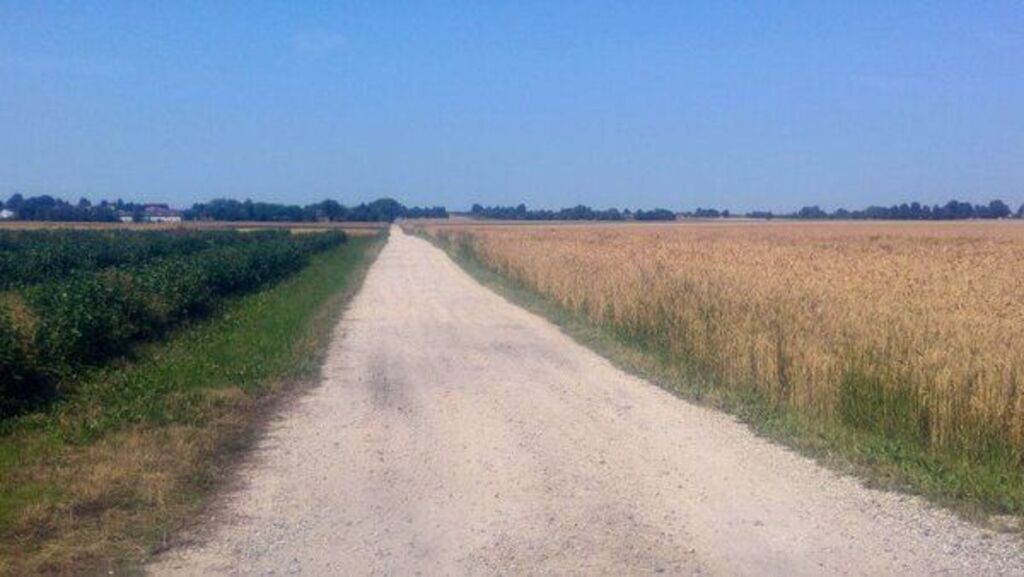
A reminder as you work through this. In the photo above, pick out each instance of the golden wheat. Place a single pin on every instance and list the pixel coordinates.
(912, 329)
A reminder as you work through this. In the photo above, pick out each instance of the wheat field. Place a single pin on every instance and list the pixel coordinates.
(913, 330)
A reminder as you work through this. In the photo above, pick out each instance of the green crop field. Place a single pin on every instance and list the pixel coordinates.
(79, 298)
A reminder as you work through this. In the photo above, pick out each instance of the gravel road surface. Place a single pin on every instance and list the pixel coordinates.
(454, 433)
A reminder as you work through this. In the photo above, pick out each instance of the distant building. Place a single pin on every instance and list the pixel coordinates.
(6, 214)
(160, 213)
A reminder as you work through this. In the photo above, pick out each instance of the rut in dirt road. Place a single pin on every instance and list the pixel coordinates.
(456, 434)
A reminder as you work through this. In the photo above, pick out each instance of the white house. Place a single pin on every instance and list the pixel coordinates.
(6, 214)
(161, 214)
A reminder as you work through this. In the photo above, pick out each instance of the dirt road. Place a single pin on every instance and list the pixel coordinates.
(456, 434)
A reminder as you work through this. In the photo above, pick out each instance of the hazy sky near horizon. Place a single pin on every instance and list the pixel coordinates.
(737, 105)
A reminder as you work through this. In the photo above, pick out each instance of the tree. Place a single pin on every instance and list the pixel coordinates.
(996, 209)
(14, 203)
(956, 210)
(812, 212)
(656, 214)
(707, 213)
(521, 212)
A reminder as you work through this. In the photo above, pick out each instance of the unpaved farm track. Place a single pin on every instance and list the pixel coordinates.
(456, 434)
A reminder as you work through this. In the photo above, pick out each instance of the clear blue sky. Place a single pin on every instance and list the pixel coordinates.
(632, 104)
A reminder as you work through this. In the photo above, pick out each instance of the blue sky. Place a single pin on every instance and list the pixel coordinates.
(678, 104)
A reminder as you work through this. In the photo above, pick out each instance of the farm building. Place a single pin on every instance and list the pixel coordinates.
(6, 214)
(160, 213)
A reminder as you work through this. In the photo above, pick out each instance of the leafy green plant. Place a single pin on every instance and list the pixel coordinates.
(30, 257)
(89, 316)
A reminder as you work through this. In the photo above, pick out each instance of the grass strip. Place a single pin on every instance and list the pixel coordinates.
(100, 480)
(988, 492)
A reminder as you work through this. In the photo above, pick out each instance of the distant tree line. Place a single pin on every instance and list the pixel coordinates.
(579, 212)
(48, 208)
(655, 214)
(380, 210)
(952, 210)
(706, 213)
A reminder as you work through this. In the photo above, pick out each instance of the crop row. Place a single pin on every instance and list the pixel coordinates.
(51, 329)
(37, 256)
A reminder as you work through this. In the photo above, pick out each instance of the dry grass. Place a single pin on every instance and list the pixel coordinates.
(912, 330)
(117, 495)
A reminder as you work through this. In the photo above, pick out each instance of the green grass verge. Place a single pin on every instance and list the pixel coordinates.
(99, 480)
(977, 488)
